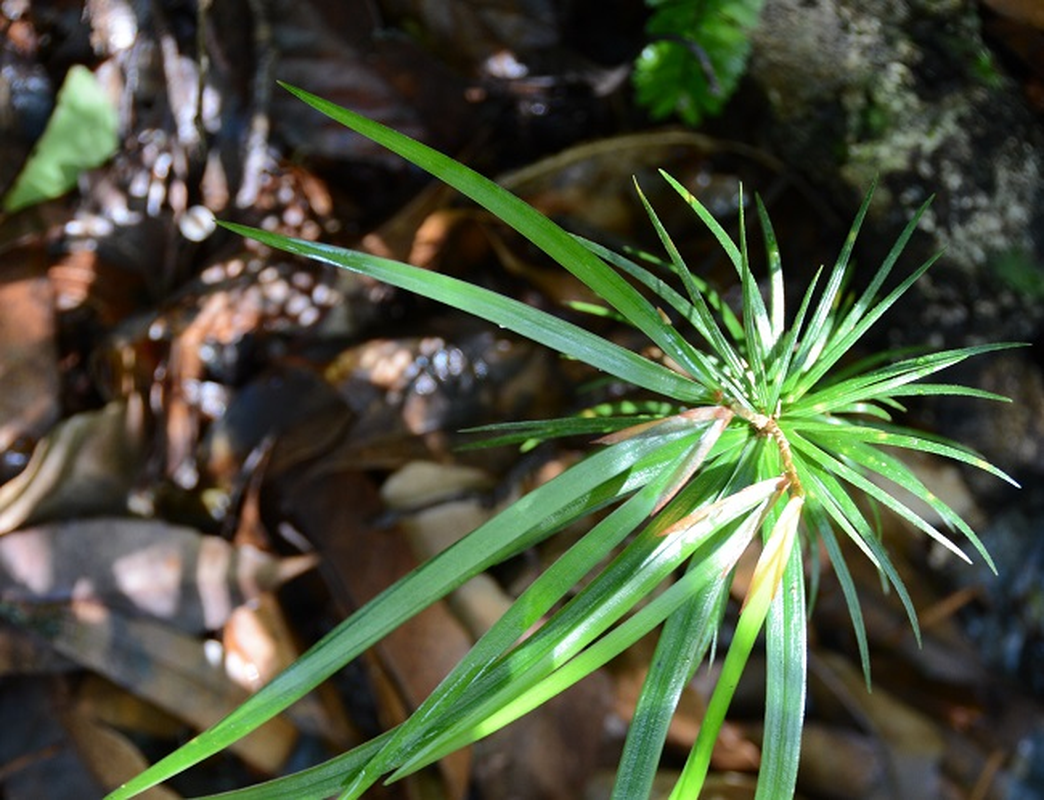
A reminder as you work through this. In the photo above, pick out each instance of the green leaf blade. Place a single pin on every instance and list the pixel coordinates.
(516, 316)
(81, 134)
(683, 644)
(530, 223)
(883, 383)
(786, 681)
(527, 521)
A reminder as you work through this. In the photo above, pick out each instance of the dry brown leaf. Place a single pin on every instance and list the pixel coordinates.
(86, 465)
(336, 511)
(412, 394)
(592, 184)
(388, 79)
(397, 238)
(278, 422)
(833, 757)
(468, 33)
(37, 757)
(258, 645)
(56, 748)
(28, 353)
(480, 602)
(551, 752)
(24, 654)
(178, 673)
(108, 755)
(418, 484)
(915, 743)
(170, 572)
(104, 701)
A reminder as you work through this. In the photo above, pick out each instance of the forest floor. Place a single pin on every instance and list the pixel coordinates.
(210, 454)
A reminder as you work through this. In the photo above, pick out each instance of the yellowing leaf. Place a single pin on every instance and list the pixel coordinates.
(769, 571)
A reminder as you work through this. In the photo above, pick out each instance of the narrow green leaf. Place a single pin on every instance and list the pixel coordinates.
(756, 321)
(683, 644)
(452, 693)
(779, 547)
(777, 297)
(710, 376)
(862, 306)
(907, 439)
(850, 475)
(842, 342)
(719, 233)
(874, 460)
(786, 643)
(707, 326)
(947, 390)
(884, 382)
(815, 338)
(733, 326)
(315, 783)
(863, 410)
(786, 346)
(527, 690)
(825, 530)
(530, 322)
(874, 360)
(504, 433)
(530, 223)
(695, 458)
(578, 491)
(835, 501)
(534, 672)
(822, 320)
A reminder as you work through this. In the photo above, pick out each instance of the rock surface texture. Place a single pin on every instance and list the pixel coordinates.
(909, 92)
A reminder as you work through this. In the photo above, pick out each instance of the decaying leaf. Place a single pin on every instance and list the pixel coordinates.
(551, 753)
(108, 755)
(258, 644)
(86, 465)
(174, 671)
(441, 503)
(190, 581)
(37, 755)
(21, 653)
(28, 354)
(337, 513)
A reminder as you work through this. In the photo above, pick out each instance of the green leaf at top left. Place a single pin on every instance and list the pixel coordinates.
(80, 135)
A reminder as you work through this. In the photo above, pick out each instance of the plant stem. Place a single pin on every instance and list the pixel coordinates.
(768, 426)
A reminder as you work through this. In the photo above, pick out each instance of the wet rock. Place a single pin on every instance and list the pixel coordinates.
(907, 91)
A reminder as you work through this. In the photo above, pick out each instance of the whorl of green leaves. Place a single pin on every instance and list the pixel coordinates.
(757, 433)
(696, 55)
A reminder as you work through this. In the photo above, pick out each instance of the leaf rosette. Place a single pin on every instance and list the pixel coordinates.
(758, 435)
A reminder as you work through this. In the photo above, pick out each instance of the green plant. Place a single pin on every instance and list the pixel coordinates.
(759, 433)
(696, 55)
(81, 134)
